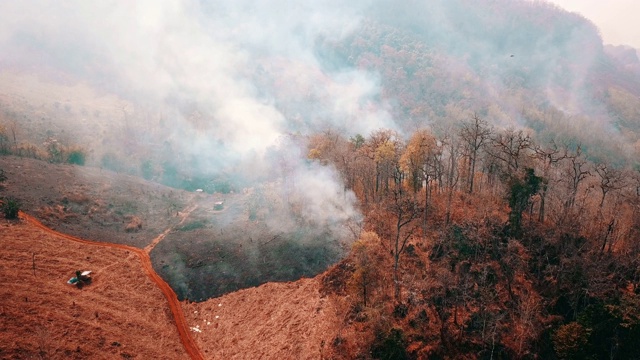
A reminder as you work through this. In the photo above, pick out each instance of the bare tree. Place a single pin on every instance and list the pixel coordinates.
(405, 210)
(331, 147)
(13, 127)
(365, 278)
(510, 147)
(475, 134)
(550, 156)
(416, 154)
(382, 147)
(417, 161)
(453, 149)
(610, 179)
(575, 173)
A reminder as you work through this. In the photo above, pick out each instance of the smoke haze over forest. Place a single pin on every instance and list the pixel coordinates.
(232, 88)
(187, 57)
(227, 81)
(182, 53)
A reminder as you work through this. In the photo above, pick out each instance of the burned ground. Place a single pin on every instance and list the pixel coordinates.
(90, 202)
(242, 245)
(254, 239)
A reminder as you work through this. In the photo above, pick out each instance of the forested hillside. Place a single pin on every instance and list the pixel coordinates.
(486, 243)
(516, 63)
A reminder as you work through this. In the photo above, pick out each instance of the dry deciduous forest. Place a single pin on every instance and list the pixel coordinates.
(483, 241)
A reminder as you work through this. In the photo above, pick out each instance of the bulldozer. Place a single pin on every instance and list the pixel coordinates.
(81, 279)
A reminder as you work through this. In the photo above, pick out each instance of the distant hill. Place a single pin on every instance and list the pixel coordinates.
(403, 66)
(517, 63)
(626, 57)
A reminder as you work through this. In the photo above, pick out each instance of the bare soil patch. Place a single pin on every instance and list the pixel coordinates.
(121, 314)
(211, 250)
(273, 321)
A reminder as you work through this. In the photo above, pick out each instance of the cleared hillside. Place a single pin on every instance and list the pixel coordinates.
(251, 240)
(122, 314)
(274, 321)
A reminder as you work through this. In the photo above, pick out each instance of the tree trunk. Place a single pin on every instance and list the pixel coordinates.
(606, 236)
(542, 197)
(451, 186)
(426, 207)
(472, 173)
(396, 281)
(449, 200)
(364, 289)
(396, 261)
(377, 181)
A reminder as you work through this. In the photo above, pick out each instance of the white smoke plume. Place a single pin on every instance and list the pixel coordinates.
(205, 55)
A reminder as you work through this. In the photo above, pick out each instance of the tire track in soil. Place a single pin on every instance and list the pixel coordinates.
(143, 254)
(183, 216)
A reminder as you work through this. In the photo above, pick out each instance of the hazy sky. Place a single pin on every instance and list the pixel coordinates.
(617, 19)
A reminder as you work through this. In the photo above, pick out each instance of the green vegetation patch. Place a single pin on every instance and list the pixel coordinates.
(194, 225)
(10, 207)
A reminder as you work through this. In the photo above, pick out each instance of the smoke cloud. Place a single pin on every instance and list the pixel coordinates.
(204, 66)
(231, 78)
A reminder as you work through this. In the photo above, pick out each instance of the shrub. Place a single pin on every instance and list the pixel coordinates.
(30, 151)
(55, 150)
(569, 341)
(390, 346)
(76, 157)
(198, 224)
(110, 161)
(147, 169)
(10, 208)
(4, 142)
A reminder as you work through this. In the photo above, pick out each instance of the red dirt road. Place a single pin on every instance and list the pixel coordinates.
(183, 329)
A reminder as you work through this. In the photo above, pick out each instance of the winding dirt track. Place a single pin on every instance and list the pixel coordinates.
(183, 329)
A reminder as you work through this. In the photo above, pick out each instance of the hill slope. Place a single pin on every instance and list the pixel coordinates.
(121, 314)
(275, 321)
